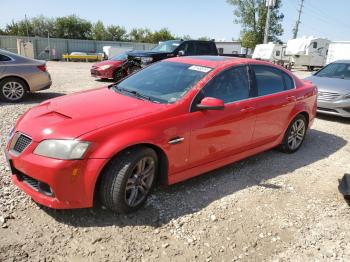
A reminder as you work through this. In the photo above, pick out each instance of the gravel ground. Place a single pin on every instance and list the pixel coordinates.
(272, 207)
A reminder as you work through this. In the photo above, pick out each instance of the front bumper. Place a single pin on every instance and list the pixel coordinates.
(337, 108)
(58, 184)
(99, 73)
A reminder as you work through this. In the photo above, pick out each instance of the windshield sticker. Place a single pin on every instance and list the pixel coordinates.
(200, 68)
(176, 44)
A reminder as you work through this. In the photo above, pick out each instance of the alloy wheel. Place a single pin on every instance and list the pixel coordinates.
(296, 135)
(140, 181)
(13, 91)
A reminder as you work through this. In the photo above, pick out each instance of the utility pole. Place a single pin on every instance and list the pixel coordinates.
(270, 4)
(26, 20)
(296, 28)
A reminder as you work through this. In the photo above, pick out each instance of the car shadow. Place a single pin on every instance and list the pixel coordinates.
(35, 98)
(331, 118)
(168, 203)
(104, 80)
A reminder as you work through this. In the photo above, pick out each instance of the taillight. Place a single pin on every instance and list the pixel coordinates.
(42, 68)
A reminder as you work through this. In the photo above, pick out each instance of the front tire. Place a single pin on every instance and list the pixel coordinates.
(295, 135)
(118, 75)
(128, 179)
(12, 89)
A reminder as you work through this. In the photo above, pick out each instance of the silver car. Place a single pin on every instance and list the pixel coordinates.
(20, 75)
(333, 82)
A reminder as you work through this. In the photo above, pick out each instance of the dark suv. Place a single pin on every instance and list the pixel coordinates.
(139, 59)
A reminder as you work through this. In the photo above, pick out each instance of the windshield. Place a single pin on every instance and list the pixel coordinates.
(163, 82)
(335, 70)
(168, 46)
(120, 57)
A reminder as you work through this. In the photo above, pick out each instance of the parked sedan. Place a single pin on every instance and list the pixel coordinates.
(333, 82)
(20, 75)
(171, 121)
(110, 69)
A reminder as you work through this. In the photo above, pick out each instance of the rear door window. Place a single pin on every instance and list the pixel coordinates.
(231, 85)
(4, 58)
(288, 81)
(188, 48)
(203, 49)
(268, 80)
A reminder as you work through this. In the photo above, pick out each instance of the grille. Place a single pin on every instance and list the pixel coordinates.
(94, 72)
(327, 96)
(30, 182)
(38, 186)
(21, 142)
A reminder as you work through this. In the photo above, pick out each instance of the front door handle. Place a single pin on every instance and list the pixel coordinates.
(291, 98)
(176, 140)
(247, 109)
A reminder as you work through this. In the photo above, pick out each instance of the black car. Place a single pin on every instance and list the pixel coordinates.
(167, 49)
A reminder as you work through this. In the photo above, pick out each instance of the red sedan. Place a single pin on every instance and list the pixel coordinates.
(171, 121)
(110, 69)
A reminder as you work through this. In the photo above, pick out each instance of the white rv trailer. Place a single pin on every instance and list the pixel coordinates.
(271, 52)
(110, 51)
(308, 51)
(338, 50)
(228, 47)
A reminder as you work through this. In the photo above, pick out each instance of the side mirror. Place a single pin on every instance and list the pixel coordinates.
(211, 103)
(181, 53)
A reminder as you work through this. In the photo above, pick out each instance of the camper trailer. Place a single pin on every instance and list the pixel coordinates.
(308, 51)
(271, 52)
(338, 50)
(111, 51)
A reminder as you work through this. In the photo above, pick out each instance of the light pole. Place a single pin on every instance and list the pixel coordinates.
(269, 4)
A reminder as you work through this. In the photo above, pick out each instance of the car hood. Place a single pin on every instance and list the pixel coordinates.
(326, 84)
(107, 62)
(141, 53)
(71, 116)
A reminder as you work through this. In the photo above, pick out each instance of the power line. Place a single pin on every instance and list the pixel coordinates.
(311, 12)
(296, 28)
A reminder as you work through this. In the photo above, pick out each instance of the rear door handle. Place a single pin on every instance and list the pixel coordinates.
(247, 109)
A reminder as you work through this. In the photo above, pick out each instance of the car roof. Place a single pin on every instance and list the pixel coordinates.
(211, 61)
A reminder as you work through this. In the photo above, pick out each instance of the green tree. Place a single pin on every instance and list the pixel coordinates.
(20, 28)
(140, 35)
(204, 38)
(99, 31)
(251, 14)
(116, 33)
(162, 35)
(73, 27)
(41, 26)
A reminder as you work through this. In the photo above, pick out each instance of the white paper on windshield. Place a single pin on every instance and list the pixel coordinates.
(200, 68)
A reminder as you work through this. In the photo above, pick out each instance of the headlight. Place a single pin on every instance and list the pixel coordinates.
(62, 149)
(105, 67)
(146, 60)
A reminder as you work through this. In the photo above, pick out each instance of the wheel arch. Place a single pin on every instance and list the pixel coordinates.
(163, 165)
(19, 77)
(306, 115)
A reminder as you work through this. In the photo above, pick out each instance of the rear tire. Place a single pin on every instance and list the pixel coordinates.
(13, 89)
(128, 179)
(295, 135)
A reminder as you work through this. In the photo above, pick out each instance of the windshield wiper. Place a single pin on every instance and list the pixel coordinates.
(133, 92)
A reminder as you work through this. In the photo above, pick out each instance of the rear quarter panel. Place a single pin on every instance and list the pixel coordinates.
(35, 78)
(306, 99)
